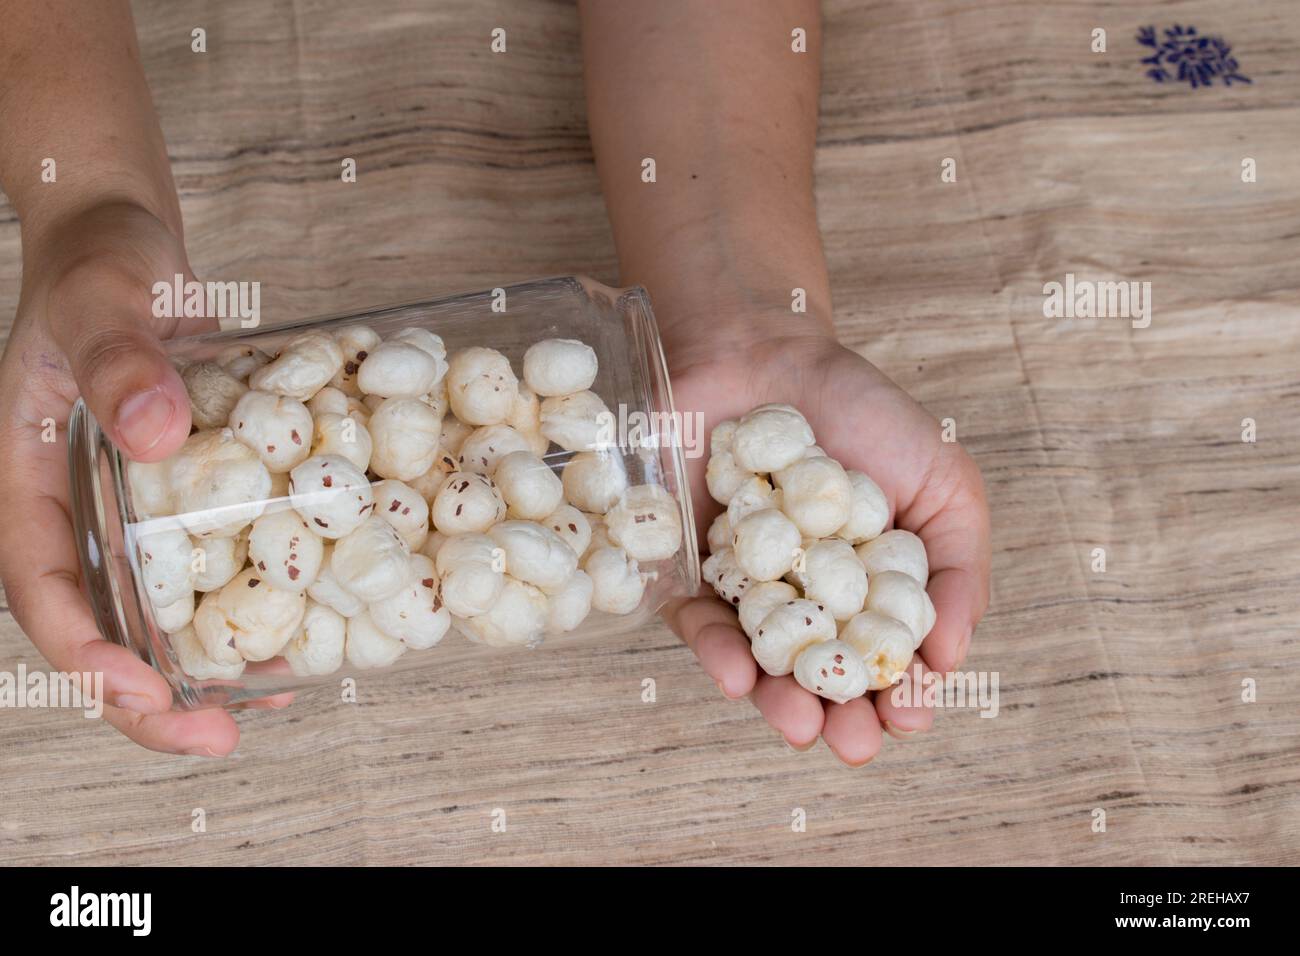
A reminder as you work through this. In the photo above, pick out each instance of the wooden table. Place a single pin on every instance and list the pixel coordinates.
(1120, 691)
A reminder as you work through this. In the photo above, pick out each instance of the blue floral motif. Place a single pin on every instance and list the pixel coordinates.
(1187, 56)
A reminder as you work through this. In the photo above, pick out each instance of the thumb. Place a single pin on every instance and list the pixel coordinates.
(99, 315)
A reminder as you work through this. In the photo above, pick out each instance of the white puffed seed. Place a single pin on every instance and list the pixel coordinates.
(454, 433)
(345, 435)
(219, 484)
(404, 508)
(466, 503)
(368, 646)
(577, 422)
(530, 489)
(832, 575)
(430, 343)
(899, 596)
(373, 562)
(559, 367)
(868, 512)
(753, 494)
(766, 544)
(724, 476)
(404, 433)
(646, 523)
(166, 565)
(397, 370)
(318, 647)
(356, 343)
(570, 605)
(196, 663)
(719, 534)
(534, 553)
(414, 615)
(599, 535)
(213, 393)
(721, 437)
(517, 618)
(727, 578)
(217, 560)
(332, 495)
(327, 590)
(214, 632)
(525, 418)
(303, 367)
(329, 401)
(817, 496)
(759, 601)
(594, 480)
(832, 669)
(616, 580)
(769, 438)
(786, 631)
(571, 525)
(151, 488)
(261, 618)
(481, 386)
(172, 617)
(812, 451)
(242, 361)
(884, 644)
(469, 588)
(285, 551)
(896, 550)
(482, 451)
(279, 429)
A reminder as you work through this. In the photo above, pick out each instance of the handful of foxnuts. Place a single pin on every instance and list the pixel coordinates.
(822, 590)
(353, 497)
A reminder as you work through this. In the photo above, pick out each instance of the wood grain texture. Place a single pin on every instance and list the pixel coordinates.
(1119, 690)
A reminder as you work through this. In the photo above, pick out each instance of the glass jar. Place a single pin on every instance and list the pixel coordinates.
(121, 516)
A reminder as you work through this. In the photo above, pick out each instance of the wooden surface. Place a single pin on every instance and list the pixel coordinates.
(1119, 690)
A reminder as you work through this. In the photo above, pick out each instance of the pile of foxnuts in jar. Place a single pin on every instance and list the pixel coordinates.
(822, 590)
(353, 497)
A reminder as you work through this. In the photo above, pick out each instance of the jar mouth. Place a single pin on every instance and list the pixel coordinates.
(635, 303)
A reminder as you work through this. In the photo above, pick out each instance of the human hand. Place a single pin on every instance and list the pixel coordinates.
(934, 488)
(85, 325)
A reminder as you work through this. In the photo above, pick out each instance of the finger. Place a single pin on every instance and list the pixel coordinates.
(957, 541)
(100, 319)
(901, 708)
(794, 712)
(38, 562)
(709, 628)
(199, 733)
(852, 731)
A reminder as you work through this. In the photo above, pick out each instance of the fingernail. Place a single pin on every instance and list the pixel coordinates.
(897, 733)
(797, 749)
(142, 418)
(136, 703)
(201, 752)
(724, 693)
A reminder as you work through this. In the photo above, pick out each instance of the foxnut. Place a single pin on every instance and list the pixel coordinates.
(318, 647)
(218, 560)
(769, 438)
(285, 551)
(219, 484)
(466, 503)
(213, 393)
(327, 590)
(484, 448)
(517, 617)
(196, 663)
(303, 367)
(833, 670)
(884, 644)
(760, 600)
(241, 361)
(571, 525)
(766, 543)
(868, 511)
(594, 480)
(372, 562)
(721, 572)
(570, 604)
(530, 489)
(356, 343)
(898, 595)
(404, 508)
(279, 429)
(331, 494)
(481, 386)
(405, 434)
(577, 422)
(414, 615)
(398, 370)
(831, 574)
(472, 569)
(559, 367)
(166, 565)
(616, 581)
(344, 435)
(646, 523)
(534, 554)
(896, 550)
(367, 646)
(786, 631)
(260, 617)
(817, 496)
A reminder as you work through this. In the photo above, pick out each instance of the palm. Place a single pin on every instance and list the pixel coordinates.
(865, 421)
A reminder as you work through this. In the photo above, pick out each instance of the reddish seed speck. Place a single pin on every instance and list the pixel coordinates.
(297, 439)
(572, 527)
(270, 449)
(319, 522)
(808, 621)
(350, 368)
(406, 511)
(735, 600)
(839, 671)
(394, 506)
(293, 573)
(261, 565)
(327, 481)
(458, 507)
(427, 582)
(361, 356)
(253, 582)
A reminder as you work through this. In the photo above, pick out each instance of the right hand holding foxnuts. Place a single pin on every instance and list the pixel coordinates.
(867, 457)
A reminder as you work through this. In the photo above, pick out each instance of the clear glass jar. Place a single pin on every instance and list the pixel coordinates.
(115, 531)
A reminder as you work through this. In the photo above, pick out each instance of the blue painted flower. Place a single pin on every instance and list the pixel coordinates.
(1189, 57)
